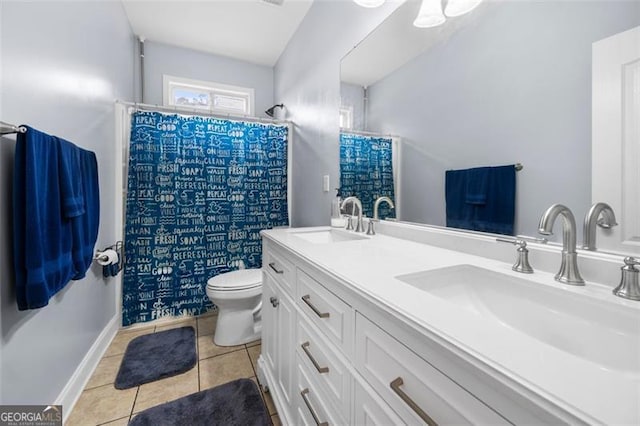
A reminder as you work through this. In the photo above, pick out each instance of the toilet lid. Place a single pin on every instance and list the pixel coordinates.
(236, 280)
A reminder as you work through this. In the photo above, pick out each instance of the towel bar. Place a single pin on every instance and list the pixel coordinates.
(7, 129)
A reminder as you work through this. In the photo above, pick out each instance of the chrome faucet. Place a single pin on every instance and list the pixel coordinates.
(356, 203)
(376, 205)
(568, 273)
(376, 218)
(607, 221)
(629, 288)
(522, 264)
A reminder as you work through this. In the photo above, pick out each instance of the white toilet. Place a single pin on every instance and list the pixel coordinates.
(238, 296)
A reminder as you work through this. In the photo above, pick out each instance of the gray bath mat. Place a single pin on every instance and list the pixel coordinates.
(236, 403)
(157, 356)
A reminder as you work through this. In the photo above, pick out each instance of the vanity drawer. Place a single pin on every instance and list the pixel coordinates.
(282, 270)
(371, 410)
(324, 365)
(312, 407)
(326, 310)
(412, 387)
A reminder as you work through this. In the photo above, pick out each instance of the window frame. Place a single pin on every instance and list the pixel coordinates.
(347, 112)
(212, 88)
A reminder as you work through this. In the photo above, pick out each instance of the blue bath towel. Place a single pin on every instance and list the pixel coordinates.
(71, 189)
(477, 185)
(42, 235)
(481, 199)
(80, 192)
(56, 212)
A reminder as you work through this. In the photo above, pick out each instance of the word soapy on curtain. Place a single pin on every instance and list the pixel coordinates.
(200, 190)
(366, 171)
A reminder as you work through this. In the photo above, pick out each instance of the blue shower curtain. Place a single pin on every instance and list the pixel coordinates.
(366, 170)
(199, 191)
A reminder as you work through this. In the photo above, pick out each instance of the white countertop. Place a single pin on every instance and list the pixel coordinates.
(583, 388)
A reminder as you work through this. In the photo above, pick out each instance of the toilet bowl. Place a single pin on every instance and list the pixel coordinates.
(238, 296)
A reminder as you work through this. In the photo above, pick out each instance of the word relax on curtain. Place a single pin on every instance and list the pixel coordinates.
(199, 192)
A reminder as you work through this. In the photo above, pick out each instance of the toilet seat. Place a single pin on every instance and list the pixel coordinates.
(243, 279)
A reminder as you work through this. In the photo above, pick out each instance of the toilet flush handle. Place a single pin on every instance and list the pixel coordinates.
(274, 301)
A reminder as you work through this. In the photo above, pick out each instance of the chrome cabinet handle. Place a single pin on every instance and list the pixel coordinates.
(303, 394)
(305, 348)
(272, 265)
(274, 301)
(395, 386)
(306, 300)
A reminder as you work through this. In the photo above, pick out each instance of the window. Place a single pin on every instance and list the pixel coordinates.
(206, 95)
(346, 117)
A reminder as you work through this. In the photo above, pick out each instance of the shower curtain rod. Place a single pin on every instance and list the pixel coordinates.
(194, 111)
(7, 129)
(365, 133)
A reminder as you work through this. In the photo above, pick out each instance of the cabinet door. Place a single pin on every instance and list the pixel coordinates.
(269, 322)
(286, 320)
(371, 410)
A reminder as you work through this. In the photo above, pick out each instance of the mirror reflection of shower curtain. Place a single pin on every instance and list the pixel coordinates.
(199, 191)
(367, 170)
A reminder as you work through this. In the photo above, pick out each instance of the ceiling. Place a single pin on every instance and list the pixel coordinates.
(255, 31)
(394, 43)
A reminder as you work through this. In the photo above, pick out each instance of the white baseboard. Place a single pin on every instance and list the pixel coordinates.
(74, 387)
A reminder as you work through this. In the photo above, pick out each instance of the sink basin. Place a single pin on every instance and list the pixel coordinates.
(328, 236)
(606, 334)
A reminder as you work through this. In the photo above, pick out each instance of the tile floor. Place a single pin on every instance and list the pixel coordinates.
(102, 404)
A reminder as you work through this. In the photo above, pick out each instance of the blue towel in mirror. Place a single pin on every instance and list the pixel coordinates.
(481, 199)
(477, 185)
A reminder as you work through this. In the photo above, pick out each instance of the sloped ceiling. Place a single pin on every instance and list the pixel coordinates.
(255, 31)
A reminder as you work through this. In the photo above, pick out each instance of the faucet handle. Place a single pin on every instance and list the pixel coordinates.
(522, 264)
(515, 241)
(370, 229)
(349, 223)
(629, 287)
(540, 240)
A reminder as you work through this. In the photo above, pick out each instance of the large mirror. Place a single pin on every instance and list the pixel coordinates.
(508, 83)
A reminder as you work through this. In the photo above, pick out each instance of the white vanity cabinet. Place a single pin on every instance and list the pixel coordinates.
(326, 363)
(411, 386)
(278, 330)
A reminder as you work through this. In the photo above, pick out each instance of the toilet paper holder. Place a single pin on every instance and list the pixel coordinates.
(118, 248)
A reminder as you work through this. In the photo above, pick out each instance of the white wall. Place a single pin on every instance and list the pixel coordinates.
(352, 95)
(307, 81)
(162, 59)
(63, 65)
(514, 86)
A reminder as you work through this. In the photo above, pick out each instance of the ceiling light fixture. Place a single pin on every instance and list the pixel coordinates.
(460, 7)
(369, 3)
(430, 14)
